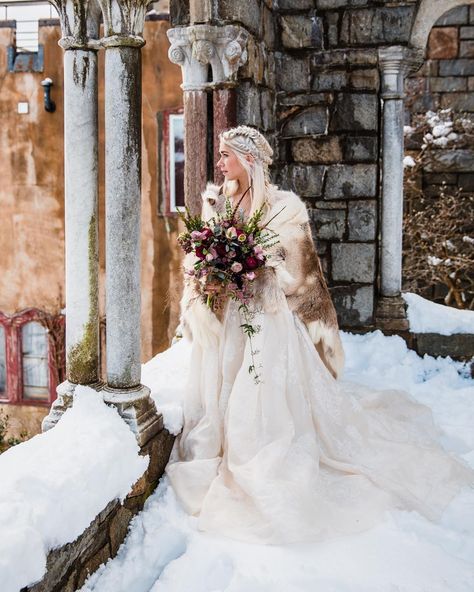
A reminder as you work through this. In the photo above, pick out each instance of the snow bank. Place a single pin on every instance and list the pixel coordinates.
(164, 552)
(54, 485)
(428, 317)
(166, 376)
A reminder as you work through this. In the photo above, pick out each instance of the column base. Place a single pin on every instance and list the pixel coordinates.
(390, 314)
(137, 409)
(64, 401)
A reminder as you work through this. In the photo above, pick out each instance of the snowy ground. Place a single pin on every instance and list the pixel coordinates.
(165, 553)
(55, 484)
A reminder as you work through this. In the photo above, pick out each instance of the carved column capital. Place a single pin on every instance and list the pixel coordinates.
(80, 20)
(197, 47)
(123, 22)
(395, 64)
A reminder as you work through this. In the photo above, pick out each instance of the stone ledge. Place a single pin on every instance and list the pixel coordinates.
(459, 346)
(69, 566)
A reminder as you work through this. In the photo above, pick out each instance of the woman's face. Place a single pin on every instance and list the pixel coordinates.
(229, 164)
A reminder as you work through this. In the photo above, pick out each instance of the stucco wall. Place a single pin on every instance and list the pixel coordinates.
(32, 188)
(32, 193)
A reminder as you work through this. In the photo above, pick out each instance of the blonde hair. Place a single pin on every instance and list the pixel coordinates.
(244, 141)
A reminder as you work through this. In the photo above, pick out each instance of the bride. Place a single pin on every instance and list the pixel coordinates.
(296, 456)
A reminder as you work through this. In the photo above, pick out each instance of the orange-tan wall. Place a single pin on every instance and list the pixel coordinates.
(32, 195)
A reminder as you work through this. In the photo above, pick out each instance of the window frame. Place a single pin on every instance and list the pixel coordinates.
(14, 356)
(167, 208)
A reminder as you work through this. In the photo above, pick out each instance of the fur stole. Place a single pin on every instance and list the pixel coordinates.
(293, 269)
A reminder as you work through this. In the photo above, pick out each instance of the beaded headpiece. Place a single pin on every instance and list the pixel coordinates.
(248, 140)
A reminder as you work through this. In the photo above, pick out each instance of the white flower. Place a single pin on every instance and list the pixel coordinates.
(434, 260)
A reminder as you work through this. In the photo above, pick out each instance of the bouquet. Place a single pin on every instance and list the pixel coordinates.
(229, 253)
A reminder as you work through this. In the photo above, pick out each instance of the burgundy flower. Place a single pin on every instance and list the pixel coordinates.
(207, 232)
(221, 249)
(251, 263)
(200, 253)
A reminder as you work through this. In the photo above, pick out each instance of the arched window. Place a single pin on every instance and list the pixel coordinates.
(34, 355)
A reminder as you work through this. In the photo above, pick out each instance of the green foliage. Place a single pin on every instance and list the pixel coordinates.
(5, 442)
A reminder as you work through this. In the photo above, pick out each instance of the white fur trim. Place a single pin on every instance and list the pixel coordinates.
(329, 342)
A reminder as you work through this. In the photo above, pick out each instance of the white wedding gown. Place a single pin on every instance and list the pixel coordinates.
(300, 456)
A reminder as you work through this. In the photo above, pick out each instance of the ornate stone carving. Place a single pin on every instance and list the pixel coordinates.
(195, 48)
(395, 63)
(80, 21)
(123, 22)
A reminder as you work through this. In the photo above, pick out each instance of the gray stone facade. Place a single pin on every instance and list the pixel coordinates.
(313, 85)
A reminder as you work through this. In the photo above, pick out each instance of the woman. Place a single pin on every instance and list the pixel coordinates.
(295, 456)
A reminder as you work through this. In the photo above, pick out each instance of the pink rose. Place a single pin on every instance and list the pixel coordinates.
(236, 267)
(231, 232)
(250, 275)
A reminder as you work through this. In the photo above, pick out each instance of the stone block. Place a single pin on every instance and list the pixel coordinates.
(247, 12)
(355, 112)
(459, 346)
(346, 181)
(118, 528)
(443, 43)
(295, 4)
(354, 305)
(471, 15)
(365, 79)
(460, 67)
(359, 149)
(328, 224)
(461, 161)
(268, 25)
(248, 105)
(362, 220)
(466, 33)
(312, 121)
(318, 150)
(305, 100)
(332, 28)
(331, 4)
(470, 83)
(423, 103)
(439, 179)
(458, 101)
(301, 31)
(93, 564)
(305, 180)
(267, 101)
(344, 57)
(466, 181)
(368, 26)
(466, 49)
(463, 101)
(447, 84)
(353, 262)
(293, 73)
(327, 81)
(254, 67)
(455, 16)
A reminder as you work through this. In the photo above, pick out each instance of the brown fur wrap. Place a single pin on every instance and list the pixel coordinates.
(293, 267)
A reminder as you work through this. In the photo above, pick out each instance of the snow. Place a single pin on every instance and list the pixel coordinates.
(55, 484)
(409, 161)
(429, 317)
(164, 552)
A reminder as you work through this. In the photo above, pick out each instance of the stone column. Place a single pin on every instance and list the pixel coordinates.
(395, 63)
(123, 29)
(80, 29)
(209, 57)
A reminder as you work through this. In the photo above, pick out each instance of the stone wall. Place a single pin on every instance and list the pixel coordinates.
(446, 81)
